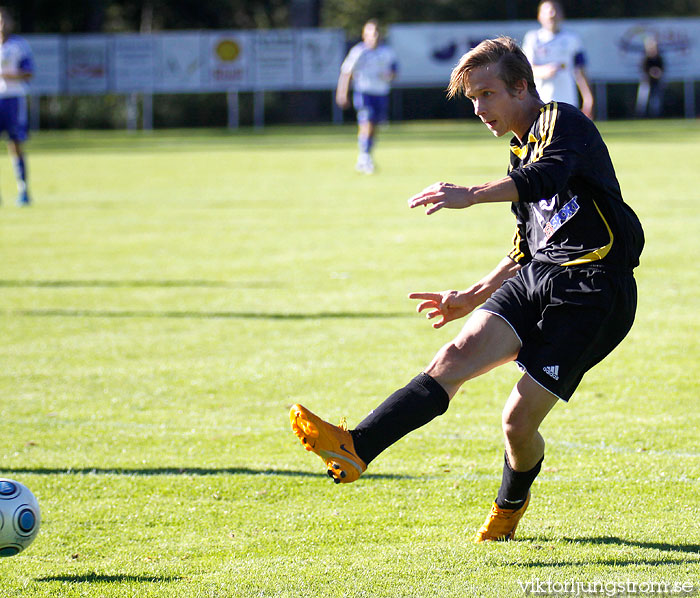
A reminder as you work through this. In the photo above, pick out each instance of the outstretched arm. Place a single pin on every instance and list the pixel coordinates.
(447, 195)
(452, 305)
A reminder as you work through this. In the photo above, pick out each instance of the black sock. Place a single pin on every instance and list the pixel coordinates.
(515, 485)
(410, 407)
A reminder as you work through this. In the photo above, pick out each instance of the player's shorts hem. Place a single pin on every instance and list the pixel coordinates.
(536, 381)
(13, 118)
(495, 313)
(371, 107)
(18, 137)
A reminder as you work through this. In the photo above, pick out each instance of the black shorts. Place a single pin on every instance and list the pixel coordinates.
(567, 319)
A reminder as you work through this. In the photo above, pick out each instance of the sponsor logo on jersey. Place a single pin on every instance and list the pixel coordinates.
(548, 204)
(562, 216)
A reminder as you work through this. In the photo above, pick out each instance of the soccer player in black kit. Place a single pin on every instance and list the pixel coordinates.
(557, 304)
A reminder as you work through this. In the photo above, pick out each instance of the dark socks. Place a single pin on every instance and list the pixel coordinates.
(410, 407)
(515, 485)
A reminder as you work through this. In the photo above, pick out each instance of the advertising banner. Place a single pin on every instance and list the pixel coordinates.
(320, 53)
(275, 60)
(615, 49)
(132, 64)
(229, 60)
(298, 59)
(48, 64)
(427, 52)
(86, 64)
(179, 62)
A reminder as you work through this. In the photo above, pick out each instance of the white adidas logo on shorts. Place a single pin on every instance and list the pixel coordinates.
(551, 370)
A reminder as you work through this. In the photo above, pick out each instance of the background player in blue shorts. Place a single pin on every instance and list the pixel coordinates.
(16, 69)
(371, 66)
(557, 304)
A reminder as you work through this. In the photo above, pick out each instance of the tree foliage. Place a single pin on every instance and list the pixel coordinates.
(72, 16)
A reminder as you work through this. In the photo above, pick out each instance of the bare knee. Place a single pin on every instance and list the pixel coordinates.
(451, 355)
(518, 428)
(443, 368)
(485, 342)
(452, 366)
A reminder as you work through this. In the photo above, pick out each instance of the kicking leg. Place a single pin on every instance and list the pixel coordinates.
(485, 342)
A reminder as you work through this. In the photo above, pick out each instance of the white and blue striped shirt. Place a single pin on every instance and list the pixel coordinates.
(15, 58)
(371, 70)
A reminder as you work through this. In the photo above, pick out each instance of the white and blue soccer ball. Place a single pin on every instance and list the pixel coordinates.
(19, 517)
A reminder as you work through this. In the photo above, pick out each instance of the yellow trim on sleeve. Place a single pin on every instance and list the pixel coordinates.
(516, 254)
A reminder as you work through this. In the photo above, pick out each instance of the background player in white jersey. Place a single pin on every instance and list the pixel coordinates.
(558, 59)
(371, 66)
(16, 69)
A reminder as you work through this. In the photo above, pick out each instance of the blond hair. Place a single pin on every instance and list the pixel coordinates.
(502, 51)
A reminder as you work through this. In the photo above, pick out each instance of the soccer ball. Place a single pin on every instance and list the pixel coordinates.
(19, 517)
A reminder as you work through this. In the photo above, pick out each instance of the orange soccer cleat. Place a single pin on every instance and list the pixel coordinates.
(501, 523)
(333, 444)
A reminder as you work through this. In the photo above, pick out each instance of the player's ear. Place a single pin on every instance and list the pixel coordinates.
(520, 88)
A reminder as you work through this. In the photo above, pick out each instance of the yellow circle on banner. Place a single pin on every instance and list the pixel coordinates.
(228, 50)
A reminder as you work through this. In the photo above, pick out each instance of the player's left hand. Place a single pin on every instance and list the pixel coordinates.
(442, 195)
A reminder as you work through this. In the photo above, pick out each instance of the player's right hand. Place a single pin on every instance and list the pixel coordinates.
(449, 305)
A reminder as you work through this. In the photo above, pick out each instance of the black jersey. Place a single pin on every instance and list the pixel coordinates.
(570, 209)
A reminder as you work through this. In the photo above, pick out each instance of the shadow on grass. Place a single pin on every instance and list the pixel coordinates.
(666, 546)
(678, 554)
(96, 578)
(213, 315)
(185, 471)
(611, 562)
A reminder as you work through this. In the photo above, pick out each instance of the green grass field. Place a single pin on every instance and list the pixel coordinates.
(170, 295)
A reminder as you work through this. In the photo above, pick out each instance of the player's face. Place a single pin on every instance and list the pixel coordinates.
(370, 35)
(494, 104)
(550, 16)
